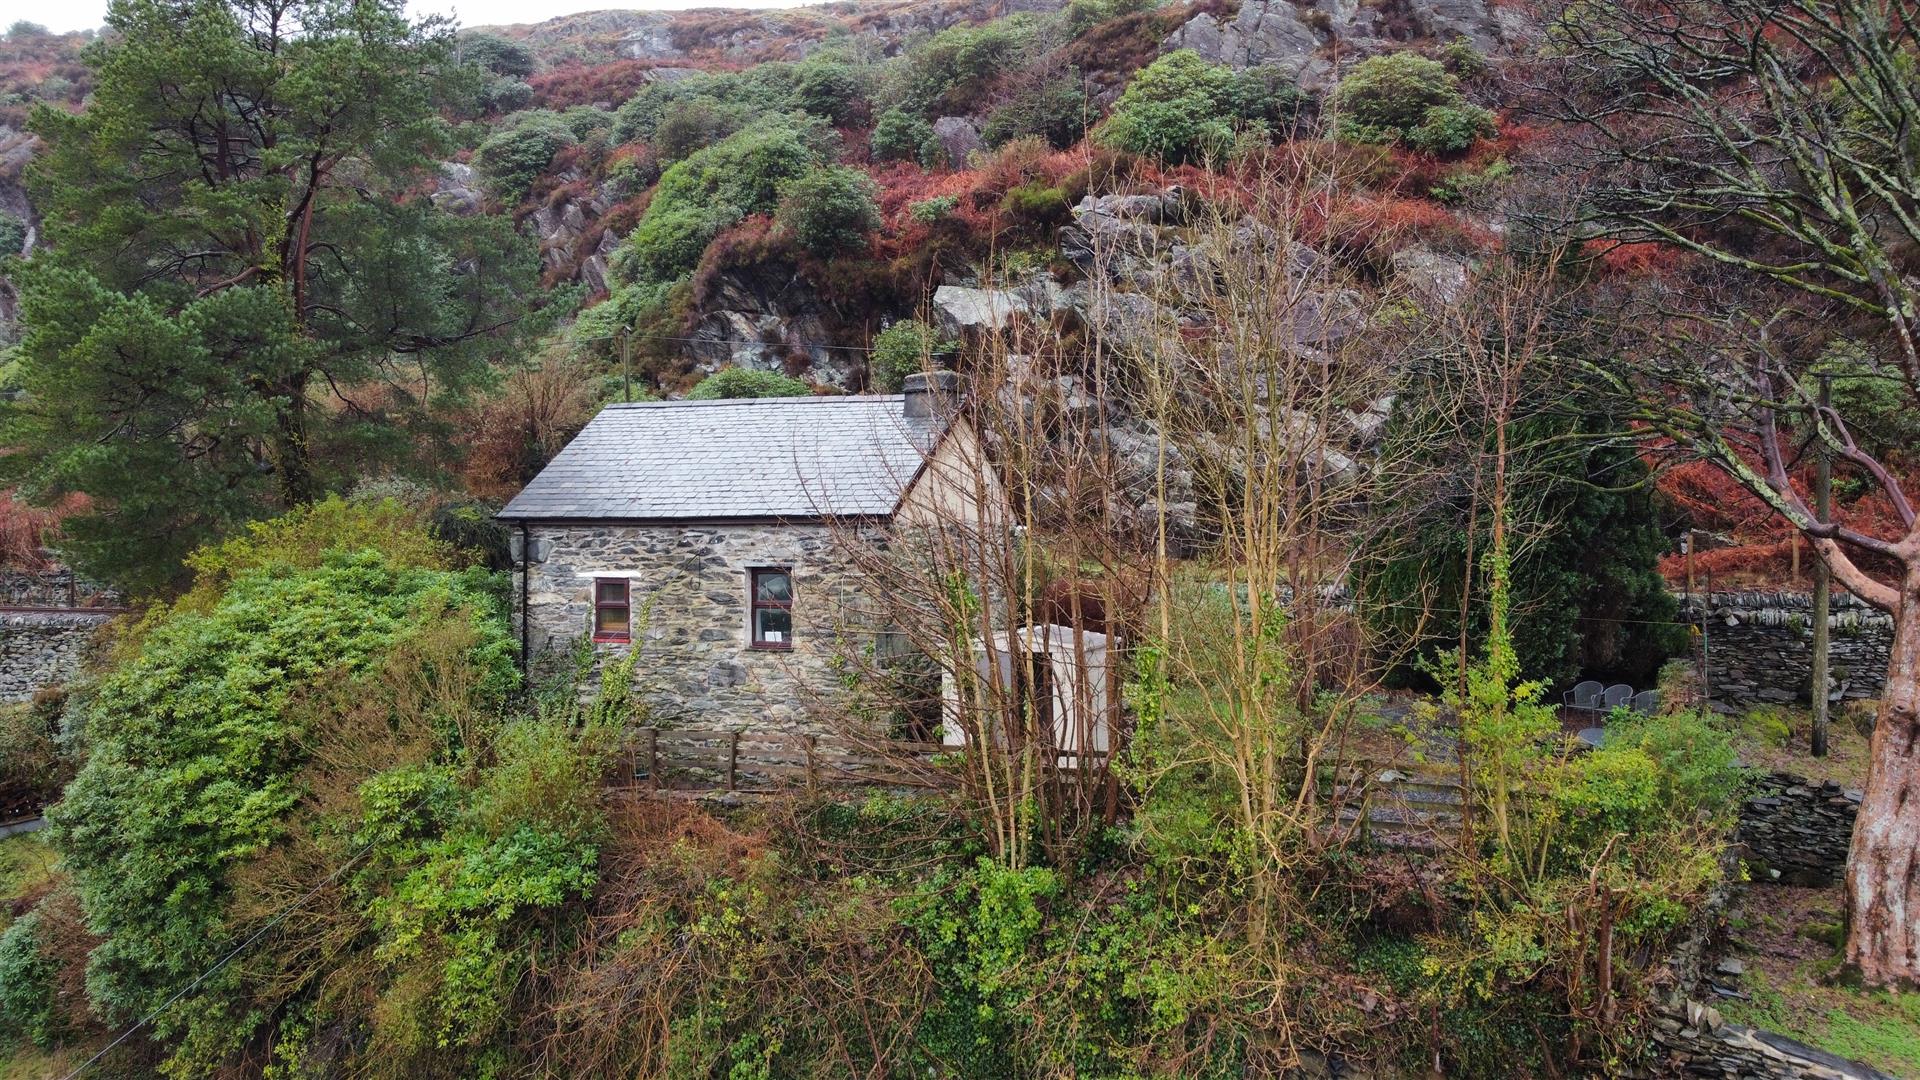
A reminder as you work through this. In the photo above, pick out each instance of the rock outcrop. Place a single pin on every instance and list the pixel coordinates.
(1297, 38)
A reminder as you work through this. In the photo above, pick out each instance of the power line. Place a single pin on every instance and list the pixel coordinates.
(278, 917)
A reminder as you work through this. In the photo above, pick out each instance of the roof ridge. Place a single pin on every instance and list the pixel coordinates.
(804, 398)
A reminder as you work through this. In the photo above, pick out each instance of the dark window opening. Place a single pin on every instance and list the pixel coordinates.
(772, 610)
(612, 610)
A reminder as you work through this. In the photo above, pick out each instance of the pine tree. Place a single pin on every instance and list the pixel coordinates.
(245, 294)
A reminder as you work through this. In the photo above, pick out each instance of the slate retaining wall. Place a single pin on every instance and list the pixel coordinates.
(1799, 829)
(43, 648)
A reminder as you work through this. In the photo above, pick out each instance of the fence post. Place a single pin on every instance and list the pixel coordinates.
(733, 761)
(809, 745)
(653, 758)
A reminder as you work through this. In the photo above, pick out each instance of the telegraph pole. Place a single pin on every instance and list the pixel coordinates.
(1822, 577)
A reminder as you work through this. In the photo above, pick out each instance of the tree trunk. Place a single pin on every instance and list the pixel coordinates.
(1883, 868)
(292, 458)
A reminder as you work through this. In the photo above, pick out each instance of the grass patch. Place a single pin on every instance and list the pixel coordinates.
(1880, 1028)
(26, 863)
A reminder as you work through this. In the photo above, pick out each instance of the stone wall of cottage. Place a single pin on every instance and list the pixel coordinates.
(697, 668)
(1760, 646)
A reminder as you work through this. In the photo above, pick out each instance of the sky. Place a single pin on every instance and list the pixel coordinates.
(87, 14)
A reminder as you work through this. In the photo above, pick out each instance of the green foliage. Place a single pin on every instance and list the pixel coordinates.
(513, 157)
(747, 383)
(496, 55)
(1589, 586)
(27, 976)
(1181, 108)
(830, 89)
(13, 234)
(1035, 202)
(196, 741)
(1055, 110)
(728, 100)
(746, 173)
(905, 348)
(900, 135)
(831, 210)
(938, 208)
(33, 768)
(1408, 98)
(195, 291)
(949, 72)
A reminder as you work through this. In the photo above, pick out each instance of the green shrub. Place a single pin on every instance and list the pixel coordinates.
(512, 158)
(1181, 108)
(747, 383)
(27, 1006)
(1451, 129)
(1055, 110)
(831, 210)
(1176, 109)
(1035, 202)
(738, 99)
(1405, 97)
(1771, 724)
(743, 174)
(905, 348)
(830, 89)
(495, 54)
(950, 71)
(586, 120)
(197, 740)
(32, 767)
(13, 234)
(903, 136)
(935, 209)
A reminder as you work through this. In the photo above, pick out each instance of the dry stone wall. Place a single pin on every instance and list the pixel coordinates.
(1760, 647)
(1797, 830)
(42, 649)
(689, 592)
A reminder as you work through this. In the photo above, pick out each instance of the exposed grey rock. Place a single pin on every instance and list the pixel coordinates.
(962, 311)
(1262, 33)
(958, 138)
(1431, 277)
(765, 316)
(458, 191)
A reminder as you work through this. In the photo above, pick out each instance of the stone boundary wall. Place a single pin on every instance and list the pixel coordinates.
(39, 649)
(1760, 646)
(54, 588)
(1798, 829)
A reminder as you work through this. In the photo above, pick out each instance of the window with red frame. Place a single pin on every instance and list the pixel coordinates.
(612, 609)
(772, 591)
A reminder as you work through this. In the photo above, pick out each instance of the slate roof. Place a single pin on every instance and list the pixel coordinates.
(804, 457)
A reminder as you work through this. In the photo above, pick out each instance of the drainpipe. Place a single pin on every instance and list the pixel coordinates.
(526, 568)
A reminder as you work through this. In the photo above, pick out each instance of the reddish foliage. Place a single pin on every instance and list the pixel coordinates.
(1641, 259)
(26, 530)
(1375, 227)
(590, 84)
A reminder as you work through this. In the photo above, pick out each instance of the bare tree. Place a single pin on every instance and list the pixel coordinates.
(1779, 138)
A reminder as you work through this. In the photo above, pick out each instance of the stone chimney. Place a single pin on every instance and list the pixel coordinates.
(932, 393)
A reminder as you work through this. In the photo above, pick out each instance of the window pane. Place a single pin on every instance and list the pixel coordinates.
(610, 620)
(773, 626)
(612, 592)
(773, 586)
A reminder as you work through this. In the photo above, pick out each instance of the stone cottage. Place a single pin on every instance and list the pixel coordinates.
(716, 536)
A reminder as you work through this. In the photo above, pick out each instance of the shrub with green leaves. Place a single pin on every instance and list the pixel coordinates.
(905, 348)
(831, 89)
(900, 135)
(747, 383)
(198, 739)
(1181, 108)
(13, 234)
(1055, 110)
(1405, 97)
(743, 174)
(513, 157)
(831, 209)
(950, 71)
(737, 99)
